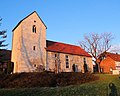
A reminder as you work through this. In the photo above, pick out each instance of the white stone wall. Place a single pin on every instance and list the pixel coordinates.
(117, 65)
(73, 59)
(24, 57)
(115, 72)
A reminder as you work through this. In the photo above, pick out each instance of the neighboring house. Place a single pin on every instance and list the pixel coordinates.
(32, 52)
(5, 58)
(110, 63)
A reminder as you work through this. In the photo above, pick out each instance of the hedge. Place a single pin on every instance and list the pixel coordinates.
(44, 79)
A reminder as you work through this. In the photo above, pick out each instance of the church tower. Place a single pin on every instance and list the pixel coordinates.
(28, 44)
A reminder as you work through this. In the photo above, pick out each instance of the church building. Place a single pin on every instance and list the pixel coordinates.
(31, 52)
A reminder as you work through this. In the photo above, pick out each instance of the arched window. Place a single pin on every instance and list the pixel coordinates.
(85, 65)
(34, 29)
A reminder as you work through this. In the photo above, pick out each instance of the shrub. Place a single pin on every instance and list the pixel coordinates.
(10, 66)
(64, 79)
(44, 79)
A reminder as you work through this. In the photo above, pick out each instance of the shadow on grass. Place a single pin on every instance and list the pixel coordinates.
(113, 89)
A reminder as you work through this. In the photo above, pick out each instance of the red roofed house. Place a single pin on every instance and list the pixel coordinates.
(110, 63)
(31, 52)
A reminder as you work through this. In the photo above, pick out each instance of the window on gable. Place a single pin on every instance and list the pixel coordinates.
(33, 47)
(67, 61)
(34, 29)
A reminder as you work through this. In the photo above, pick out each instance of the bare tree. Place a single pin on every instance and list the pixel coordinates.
(96, 44)
(54, 58)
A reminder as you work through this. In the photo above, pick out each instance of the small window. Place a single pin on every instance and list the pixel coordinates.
(55, 59)
(55, 55)
(34, 65)
(33, 47)
(67, 64)
(67, 61)
(34, 29)
(66, 56)
(34, 20)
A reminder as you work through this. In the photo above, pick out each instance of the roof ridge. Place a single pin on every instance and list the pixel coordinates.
(113, 53)
(64, 43)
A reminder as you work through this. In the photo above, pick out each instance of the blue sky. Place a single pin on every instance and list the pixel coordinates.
(67, 20)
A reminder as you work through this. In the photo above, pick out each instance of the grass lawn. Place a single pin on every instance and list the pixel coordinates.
(96, 88)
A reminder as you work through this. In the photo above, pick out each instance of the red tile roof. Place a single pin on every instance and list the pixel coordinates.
(65, 48)
(114, 56)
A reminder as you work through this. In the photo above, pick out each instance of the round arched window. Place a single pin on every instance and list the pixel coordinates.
(34, 29)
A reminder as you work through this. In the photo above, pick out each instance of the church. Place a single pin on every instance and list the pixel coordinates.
(31, 52)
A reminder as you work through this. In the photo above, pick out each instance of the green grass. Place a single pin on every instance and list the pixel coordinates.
(96, 88)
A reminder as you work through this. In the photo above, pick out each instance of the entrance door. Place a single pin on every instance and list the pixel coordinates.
(85, 68)
(75, 68)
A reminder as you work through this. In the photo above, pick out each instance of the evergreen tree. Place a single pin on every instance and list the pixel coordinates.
(3, 36)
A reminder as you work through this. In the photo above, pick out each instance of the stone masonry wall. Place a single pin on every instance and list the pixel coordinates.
(73, 59)
(28, 51)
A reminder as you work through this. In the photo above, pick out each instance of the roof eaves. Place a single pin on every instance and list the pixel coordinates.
(67, 53)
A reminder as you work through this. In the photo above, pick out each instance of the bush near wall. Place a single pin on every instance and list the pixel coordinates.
(44, 79)
(73, 78)
(6, 67)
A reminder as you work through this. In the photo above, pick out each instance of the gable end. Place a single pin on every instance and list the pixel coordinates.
(27, 17)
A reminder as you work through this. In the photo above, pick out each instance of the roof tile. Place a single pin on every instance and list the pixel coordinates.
(114, 56)
(65, 48)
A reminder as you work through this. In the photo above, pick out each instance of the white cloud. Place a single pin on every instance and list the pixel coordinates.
(115, 49)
